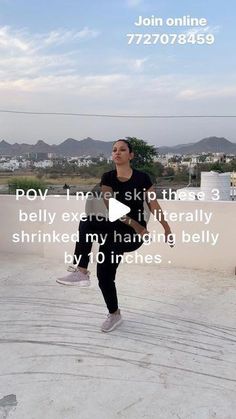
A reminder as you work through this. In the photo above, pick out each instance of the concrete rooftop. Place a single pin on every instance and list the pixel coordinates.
(173, 357)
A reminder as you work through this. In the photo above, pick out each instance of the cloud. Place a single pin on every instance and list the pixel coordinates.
(12, 68)
(129, 64)
(31, 64)
(138, 63)
(86, 86)
(13, 41)
(207, 92)
(56, 73)
(133, 3)
(60, 37)
(205, 30)
(24, 55)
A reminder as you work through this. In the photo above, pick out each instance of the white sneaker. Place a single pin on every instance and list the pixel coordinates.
(113, 320)
(75, 277)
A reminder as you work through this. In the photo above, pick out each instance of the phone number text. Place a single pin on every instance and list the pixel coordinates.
(170, 38)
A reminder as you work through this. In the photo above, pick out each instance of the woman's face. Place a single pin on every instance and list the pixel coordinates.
(121, 153)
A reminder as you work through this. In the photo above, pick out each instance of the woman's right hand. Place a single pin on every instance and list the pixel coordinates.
(139, 229)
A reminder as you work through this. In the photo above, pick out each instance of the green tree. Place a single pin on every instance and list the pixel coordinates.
(144, 157)
(232, 166)
(95, 170)
(202, 158)
(159, 169)
(143, 152)
(175, 159)
(168, 172)
(182, 175)
(26, 184)
(217, 167)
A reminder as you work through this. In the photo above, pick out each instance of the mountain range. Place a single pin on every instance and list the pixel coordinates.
(206, 145)
(69, 147)
(94, 148)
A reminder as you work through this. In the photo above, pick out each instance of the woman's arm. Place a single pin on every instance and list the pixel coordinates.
(155, 209)
(107, 193)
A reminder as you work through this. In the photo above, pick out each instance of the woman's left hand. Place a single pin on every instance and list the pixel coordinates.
(168, 236)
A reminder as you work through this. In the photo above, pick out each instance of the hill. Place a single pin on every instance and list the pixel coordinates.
(93, 148)
(206, 145)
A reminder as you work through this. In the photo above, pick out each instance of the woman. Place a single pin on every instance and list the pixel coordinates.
(131, 187)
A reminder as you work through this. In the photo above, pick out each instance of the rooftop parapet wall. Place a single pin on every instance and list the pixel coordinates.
(200, 254)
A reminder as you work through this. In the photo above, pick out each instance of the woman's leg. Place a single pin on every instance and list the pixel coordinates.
(84, 246)
(106, 271)
(88, 231)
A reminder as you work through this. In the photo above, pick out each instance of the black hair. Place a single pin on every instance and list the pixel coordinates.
(126, 142)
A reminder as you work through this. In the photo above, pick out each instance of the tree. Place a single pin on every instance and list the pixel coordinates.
(168, 172)
(144, 157)
(26, 183)
(159, 169)
(95, 170)
(175, 159)
(202, 158)
(143, 152)
(218, 167)
(182, 175)
(232, 165)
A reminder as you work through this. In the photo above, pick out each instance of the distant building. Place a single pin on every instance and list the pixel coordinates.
(11, 164)
(24, 164)
(43, 164)
(162, 158)
(37, 156)
(219, 157)
(51, 155)
(195, 159)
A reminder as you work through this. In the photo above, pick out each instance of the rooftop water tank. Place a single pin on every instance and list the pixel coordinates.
(216, 186)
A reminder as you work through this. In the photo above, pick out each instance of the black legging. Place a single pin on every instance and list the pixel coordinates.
(106, 269)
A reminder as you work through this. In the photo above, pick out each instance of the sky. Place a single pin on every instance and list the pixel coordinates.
(73, 56)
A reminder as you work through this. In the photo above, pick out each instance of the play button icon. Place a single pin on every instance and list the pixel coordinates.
(116, 209)
(95, 206)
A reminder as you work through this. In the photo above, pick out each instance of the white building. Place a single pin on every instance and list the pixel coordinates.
(43, 164)
(11, 164)
(24, 164)
(84, 162)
